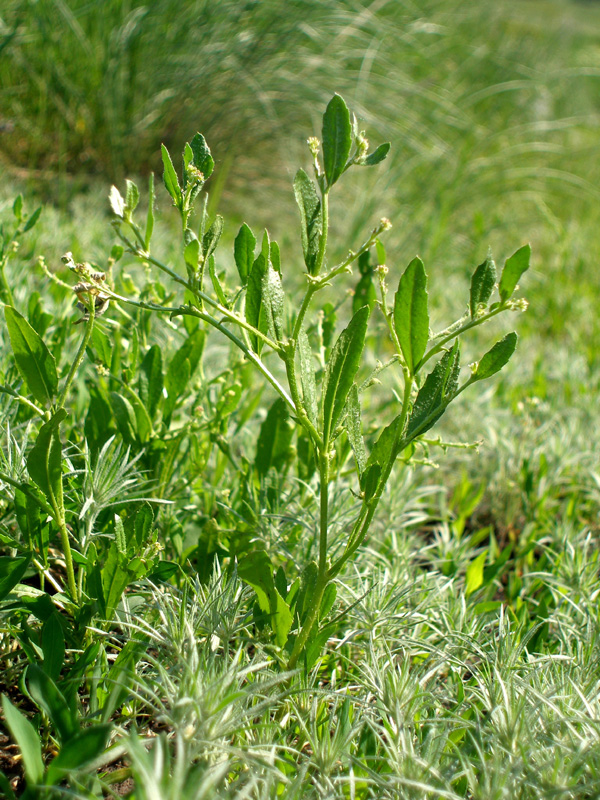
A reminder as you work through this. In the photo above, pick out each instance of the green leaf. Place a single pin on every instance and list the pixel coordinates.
(125, 417)
(84, 748)
(132, 197)
(474, 574)
(311, 218)
(170, 178)
(28, 740)
(341, 370)
(514, 267)
(482, 285)
(273, 302)
(329, 598)
(353, 426)
(219, 291)
(18, 206)
(144, 519)
(210, 240)
(202, 158)
(307, 377)
(435, 394)
(493, 361)
(32, 220)
(34, 361)
(191, 252)
(275, 439)
(180, 370)
(150, 215)
(243, 251)
(337, 138)
(44, 462)
(100, 347)
(12, 569)
(378, 155)
(254, 300)
(118, 571)
(256, 570)
(151, 380)
(381, 453)
(47, 696)
(115, 198)
(411, 316)
(53, 646)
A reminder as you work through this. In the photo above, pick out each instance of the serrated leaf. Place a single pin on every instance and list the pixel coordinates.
(243, 251)
(336, 138)
(28, 740)
(341, 370)
(353, 426)
(311, 219)
(482, 285)
(256, 570)
(170, 178)
(275, 439)
(44, 462)
(116, 201)
(411, 315)
(514, 267)
(434, 395)
(499, 355)
(34, 361)
(201, 156)
(307, 377)
(378, 155)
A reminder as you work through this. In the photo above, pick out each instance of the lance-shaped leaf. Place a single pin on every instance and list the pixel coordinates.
(34, 361)
(151, 379)
(411, 315)
(264, 300)
(307, 377)
(337, 138)
(383, 450)
(28, 740)
(46, 694)
(436, 392)
(12, 569)
(341, 370)
(256, 570)
(377, 156)
(254, 299)
(170, 178)
(79, 751)
(311, 221)
(493, 361)
(210, 240)
(353, 426)
(514, 267)
(275, 439)
(273, 302)
(243, 251)
(482, 285)
(44, 462)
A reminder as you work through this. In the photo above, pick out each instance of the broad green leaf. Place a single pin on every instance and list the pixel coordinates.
(53, 646)
(202, 158)
(496, 358)
(435, 394)
(474, 574)
(44, 462)
(341, 370)
(12, 569)
(46, 694)
(143, 423)
(243, 251)
(118, 571)
(337, 138)
(411, 315)
(151, 380)
(482, 285)
(256, 570)
(273, 303)
(308, 586)
(311, 220)
(101, 348)
(380, 455)
(307, 377)
(28, 740)
(275, 439)
(78, 752)
(180, 370)
(329, 598)
(353, 426)
(132, 197)
(170, 178)
(377, 155)
(18, 206)
(210, 240)
(191, 253)
(115, 198)
(34, 361)
(275, 256)
(144, 520)
(514, 267)
(124, 416)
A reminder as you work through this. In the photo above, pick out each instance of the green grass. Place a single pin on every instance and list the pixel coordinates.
(430, 685)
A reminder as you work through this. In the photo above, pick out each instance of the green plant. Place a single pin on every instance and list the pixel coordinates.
(325, 419)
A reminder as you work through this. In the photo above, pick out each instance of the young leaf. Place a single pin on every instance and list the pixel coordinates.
(482, 285)
(210, 240)
(496, 358)
(337, 138)
(275, 439)
(44, 462)
(170, 178)
(353, 425)
(307, 377)
(514, 267)
(341, 370)
(378, 155)
(435, 393)
(243, 251)
(411, 315)
(28, 740)
(256, 570)
(34, 361)
(115, 198)
(310, 218)
(132, 197)
(202, 158)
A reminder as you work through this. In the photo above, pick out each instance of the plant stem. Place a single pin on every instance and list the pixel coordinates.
(81, 352)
